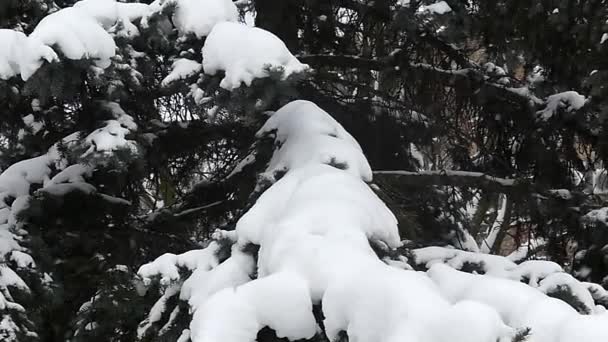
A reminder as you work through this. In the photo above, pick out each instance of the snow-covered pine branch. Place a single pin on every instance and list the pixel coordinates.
(25, 189)
(313, 228)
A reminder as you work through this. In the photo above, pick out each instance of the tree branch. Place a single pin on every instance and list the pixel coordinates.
(455, 178)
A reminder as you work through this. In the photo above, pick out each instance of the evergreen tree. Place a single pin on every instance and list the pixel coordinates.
(128, 134)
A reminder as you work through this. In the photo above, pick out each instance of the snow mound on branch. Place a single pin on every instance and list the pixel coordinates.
(16, 185)
(558, 282)
(440, 7)
(181, 69)
(113, 135)
(546, 276)
(308, 135)
(199, 17)
(313, 227)
(491, 264)
(72, 174)
(245, 53)
(203, 283)
(78, 32)
(569, 101)
(521, 306)
(115, 16)
(280, 301)
(108, 12)
(20, 55)
(315, 223)
(110, 138)
(167, 266)
(77, 35)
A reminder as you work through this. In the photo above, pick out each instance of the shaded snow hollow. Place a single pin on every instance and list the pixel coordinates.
(314, 226)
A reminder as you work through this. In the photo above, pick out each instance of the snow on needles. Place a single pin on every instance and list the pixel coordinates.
(195, 17)
(79, 32)
(87, 31)
(181, 69)
(200, 17)
(245, 53)
(16, 191)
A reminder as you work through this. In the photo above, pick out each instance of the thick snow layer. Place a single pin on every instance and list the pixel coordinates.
(491, 264)
(245, 53)
(195, 17)
(23, 260)
(20, 55)
(108, 12)
(112, 136)
(520, 306)
(569, 100)
(16, 184)
(306, 135)
(535, 270)
(280, 301)
(557, 282)
(313, 227)
(181, 69)
(546, 276)
(79, 32)
(199, 17)
(386, 304)
(440, 7)
(233, 272)
(77, 35)
(72, 174)
(344, 206)
(167, 266)
(115, 16)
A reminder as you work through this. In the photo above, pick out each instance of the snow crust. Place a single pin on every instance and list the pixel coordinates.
(245, 53)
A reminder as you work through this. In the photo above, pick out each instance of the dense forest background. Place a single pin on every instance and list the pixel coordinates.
(483, 122)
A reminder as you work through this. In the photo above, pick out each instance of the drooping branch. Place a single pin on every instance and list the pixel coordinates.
(473, 77)
(454, 178)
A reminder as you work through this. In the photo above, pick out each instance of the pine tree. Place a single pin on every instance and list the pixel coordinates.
(128, 134)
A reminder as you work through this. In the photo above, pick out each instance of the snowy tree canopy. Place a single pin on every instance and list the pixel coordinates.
(263, 170)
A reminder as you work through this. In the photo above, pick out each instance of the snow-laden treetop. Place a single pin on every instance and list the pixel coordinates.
(315, 227)
(87, 31)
